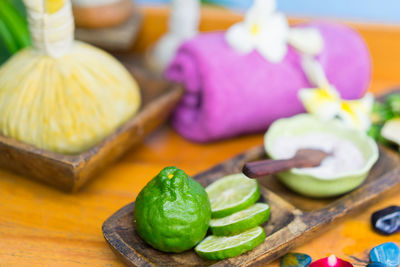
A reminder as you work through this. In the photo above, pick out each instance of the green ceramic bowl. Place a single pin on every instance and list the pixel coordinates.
(312, 185)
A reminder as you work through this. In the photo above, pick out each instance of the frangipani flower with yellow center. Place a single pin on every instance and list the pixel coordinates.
(263, 30)
(357, 112)
(326, 104)
(325, 101)
(322, 102)
(268, 32)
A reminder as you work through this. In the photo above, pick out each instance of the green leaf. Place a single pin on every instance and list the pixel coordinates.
(4, 54)
(19, 5)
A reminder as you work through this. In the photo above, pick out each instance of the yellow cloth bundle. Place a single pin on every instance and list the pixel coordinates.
(62, 95)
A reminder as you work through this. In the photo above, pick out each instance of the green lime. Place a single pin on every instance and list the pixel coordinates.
(231, 194)
(240, 221)
(222, 247)
(172, 212)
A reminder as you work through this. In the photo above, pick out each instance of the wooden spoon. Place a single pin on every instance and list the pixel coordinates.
(304, 158)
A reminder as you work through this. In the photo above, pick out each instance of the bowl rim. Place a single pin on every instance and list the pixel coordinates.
(368, 164)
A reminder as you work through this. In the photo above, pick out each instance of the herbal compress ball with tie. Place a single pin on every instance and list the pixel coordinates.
(62, 95)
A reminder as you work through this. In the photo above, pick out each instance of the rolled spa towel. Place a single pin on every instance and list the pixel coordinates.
(229, 94)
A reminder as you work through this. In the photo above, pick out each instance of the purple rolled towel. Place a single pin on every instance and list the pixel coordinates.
(228, 94)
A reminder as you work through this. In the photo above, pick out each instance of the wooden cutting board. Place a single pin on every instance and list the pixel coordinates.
(294, 218)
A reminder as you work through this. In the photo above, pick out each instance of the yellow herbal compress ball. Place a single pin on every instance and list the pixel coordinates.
(65, 103)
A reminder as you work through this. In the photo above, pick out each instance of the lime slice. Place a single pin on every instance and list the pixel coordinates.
(231, 194)
(391, 130)
(240, 221)
(222, 247)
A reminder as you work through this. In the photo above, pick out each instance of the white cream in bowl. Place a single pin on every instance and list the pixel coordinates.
(345, 158)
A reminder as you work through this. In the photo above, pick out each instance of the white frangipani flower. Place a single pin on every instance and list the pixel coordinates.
(268, 32)
(263, 30)
(307, 41)
(322, 102)
(325, 101)
(357, 112)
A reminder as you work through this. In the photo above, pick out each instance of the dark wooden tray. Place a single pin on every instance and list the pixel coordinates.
(68, 172)
(294, 219)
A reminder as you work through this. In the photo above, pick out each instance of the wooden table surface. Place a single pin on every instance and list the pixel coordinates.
(40, 226)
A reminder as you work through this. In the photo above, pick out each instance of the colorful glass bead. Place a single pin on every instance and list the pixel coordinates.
(376, 264)
(295, 260)
(387, 254)
(387, 221)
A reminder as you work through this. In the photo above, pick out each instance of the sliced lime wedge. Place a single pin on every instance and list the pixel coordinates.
(241, 221)
(391, 130)
(231, 194)
(222, 247)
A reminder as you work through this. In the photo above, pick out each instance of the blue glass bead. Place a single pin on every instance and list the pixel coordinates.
(376, 264)
(387, 253)
(387, 221)
(295, 260)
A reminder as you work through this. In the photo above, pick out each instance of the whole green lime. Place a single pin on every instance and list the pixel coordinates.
(172, 212)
